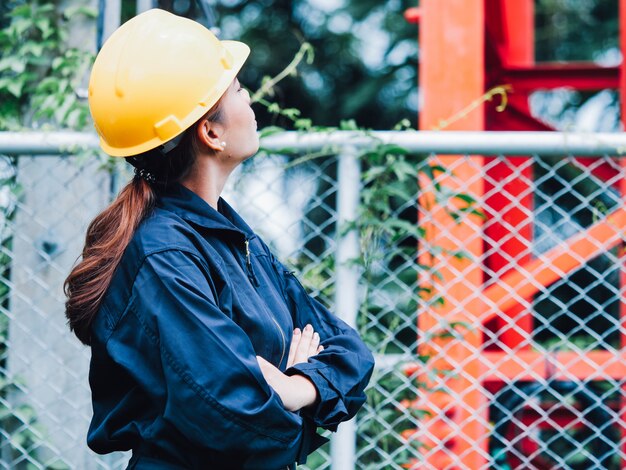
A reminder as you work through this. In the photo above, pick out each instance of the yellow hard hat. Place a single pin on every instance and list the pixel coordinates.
(154, 77)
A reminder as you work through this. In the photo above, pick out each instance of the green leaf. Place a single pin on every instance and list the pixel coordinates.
(403, 227)
(403, 170)
(461, 324)
(58, 63)
(45, 8)
(48, 85)
(291, 113)
(13, 63)
(456, 217)
(420, 413)
(14, 87)
(391, 149)
(45, 26)
(402, 125)
(267, 131)
(77, 10)
(478, 213)
(19, 27)
(348, 125)
(303, 124)
(432, 170)
(429, 171)
(465, 198)
(373, 173)
(73, 118)
(461, 255)
(24, 10)
(33, 48)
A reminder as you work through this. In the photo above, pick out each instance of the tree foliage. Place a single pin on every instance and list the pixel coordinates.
(366, 54)
(365, 57)
(576, 30)
(39, 73)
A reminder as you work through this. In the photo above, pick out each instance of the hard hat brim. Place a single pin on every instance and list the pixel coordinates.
(239, 53)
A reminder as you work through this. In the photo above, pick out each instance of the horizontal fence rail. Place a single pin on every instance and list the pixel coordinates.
(447, 142)
(490, 288)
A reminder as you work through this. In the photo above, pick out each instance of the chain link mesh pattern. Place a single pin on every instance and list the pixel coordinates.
(523, 370)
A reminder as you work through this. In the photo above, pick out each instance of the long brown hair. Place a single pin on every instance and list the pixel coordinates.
(111, 231)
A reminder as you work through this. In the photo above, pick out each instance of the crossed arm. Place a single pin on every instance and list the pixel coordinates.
(295, 391)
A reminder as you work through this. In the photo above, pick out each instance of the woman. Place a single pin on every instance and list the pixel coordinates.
(206, 352)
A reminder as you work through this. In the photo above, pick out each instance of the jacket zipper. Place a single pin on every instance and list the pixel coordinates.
(248, 260)
(256, 283)
(249, 268)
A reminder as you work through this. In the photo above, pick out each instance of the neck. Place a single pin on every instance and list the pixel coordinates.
(207, 179)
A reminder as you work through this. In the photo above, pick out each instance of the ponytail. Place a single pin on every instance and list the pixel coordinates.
(111, 231)
(107, 237)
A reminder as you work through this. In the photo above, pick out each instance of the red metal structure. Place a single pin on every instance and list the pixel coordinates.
(466, 48)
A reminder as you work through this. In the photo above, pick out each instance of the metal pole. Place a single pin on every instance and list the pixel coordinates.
(112, 17)
(112, 21)
(343, 443)
(417, 142)
(144, 5)
(461, 142)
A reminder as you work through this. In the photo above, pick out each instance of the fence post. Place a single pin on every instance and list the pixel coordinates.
(112, 19)
(144, 5)
(343, 443)
(47, 233)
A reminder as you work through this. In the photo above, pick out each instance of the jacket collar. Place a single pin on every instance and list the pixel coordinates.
(189, 206)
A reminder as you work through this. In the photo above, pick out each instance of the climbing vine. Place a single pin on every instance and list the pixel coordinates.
(389, 233)
(40, 76)
(40, 79)
(40, 82)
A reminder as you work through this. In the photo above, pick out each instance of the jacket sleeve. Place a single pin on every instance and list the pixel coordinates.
(342, 370)
(215, 393)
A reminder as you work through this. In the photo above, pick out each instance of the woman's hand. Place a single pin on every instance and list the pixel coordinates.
(304, 344)
(295, 391)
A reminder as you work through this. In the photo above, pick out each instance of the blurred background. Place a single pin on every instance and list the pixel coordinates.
(366, 54)
(486, 274)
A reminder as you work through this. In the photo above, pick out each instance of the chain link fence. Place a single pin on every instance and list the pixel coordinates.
(491, 290)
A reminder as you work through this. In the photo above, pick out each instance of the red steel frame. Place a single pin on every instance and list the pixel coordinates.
(467, 47)
(622, 84)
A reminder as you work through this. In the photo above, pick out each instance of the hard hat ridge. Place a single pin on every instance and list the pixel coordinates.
(154, 77)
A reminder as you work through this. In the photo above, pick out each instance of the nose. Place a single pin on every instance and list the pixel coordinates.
(247, 95)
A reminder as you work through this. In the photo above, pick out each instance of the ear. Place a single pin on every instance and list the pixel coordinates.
(209, 134)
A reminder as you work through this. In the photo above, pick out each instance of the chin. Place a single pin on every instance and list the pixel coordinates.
(252, 152)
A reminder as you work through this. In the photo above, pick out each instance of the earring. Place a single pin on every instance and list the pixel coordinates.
(223, 144)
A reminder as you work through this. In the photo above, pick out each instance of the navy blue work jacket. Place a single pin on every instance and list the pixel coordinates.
(174, 375)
